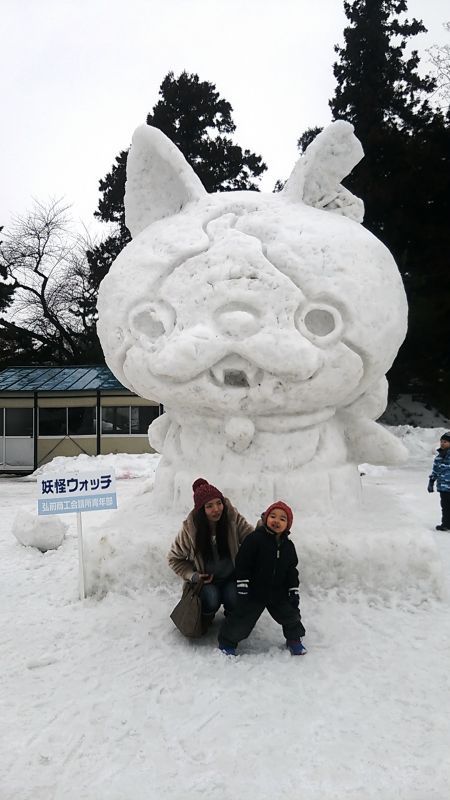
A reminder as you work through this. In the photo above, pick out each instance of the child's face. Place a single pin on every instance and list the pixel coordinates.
(277, 520)
(444, 444)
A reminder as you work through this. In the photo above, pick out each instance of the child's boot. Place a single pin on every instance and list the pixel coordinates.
(296, 648)
(227, 651)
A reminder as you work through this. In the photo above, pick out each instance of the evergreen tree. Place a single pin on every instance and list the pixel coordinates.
(404, 178)
(307, 137)
(194, 116)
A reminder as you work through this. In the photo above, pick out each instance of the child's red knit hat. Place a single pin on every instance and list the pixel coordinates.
(204, 492)
(284, 507)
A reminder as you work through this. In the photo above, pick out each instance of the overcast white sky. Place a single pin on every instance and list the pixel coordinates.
(79, 75)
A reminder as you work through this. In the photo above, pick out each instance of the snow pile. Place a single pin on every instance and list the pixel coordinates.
(249, 317)
(421, 443)
(379, 550)
(125, 465)
(129, 553)
(43, 533)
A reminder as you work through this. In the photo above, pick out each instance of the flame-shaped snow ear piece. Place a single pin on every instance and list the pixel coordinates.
(317, 175)
(159, 180)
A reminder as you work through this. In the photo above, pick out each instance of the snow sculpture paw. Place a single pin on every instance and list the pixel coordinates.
(265, 324)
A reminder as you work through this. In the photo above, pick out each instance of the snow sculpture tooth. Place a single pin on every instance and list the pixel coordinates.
(218, 373)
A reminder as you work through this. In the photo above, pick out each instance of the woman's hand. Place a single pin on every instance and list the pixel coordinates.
(205, 578)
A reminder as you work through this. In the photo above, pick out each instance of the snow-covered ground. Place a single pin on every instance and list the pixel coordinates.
(104, 700)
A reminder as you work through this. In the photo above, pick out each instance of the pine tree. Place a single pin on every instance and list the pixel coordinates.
(404, 178)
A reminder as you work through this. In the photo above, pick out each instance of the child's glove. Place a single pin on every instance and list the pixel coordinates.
(294, 597)
(431, 485)
(242, 587)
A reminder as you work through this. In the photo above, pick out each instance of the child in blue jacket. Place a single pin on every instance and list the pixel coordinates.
(266, 577)
(440, 474)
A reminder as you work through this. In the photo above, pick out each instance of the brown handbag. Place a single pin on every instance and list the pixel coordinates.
(187, 614)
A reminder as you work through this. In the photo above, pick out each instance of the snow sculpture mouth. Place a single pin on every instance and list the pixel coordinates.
(236, 373)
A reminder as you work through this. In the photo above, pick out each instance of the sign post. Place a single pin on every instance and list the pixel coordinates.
(69, 493)
(80, 556)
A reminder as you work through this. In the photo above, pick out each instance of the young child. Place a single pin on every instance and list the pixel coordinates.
(440, 474)
(267, 577)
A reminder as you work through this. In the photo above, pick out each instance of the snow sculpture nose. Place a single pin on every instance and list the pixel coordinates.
(237, 320)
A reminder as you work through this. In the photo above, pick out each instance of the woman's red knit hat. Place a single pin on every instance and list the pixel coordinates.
(204, 492)
(284, 507)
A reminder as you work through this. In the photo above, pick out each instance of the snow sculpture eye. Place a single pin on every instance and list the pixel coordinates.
(151, 321)
(320, 323)
(238, 320)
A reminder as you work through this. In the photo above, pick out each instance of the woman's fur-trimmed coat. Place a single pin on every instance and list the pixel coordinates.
(182, 556)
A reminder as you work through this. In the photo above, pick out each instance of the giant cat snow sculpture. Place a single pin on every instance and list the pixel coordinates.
(265, 324)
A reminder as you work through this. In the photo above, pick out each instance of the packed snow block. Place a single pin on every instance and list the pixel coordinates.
(387, 564)
(265, 324)
(43, 533)
(130, 553)
(380, 552)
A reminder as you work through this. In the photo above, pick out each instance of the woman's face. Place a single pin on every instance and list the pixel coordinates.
(213, 509)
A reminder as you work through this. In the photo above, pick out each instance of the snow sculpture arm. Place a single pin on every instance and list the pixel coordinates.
(159, 180)
(368, 441)
(316, 177)
(157, 432)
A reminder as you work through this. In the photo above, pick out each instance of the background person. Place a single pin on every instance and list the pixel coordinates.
(440, 474)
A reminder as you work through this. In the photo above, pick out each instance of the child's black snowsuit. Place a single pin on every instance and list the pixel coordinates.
(269, 563)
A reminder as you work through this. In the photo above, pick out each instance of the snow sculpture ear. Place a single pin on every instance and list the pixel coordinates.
(159, 179)
(316, 177)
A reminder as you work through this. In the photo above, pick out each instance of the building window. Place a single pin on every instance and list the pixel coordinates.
(52, 422)
(141, 417)
(81, 421)
(77, 421)
(19, 421)
(116, 419)
(128, 420)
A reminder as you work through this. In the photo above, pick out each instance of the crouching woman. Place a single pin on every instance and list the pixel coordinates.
(206, 547)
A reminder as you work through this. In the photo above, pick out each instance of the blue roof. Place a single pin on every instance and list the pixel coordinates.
(58, 379)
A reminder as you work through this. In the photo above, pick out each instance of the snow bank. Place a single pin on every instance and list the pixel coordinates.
(421, 443)
(380, 550)
(126, 465)
(44, 533)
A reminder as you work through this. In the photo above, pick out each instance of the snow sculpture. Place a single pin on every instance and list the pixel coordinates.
(265, 324)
